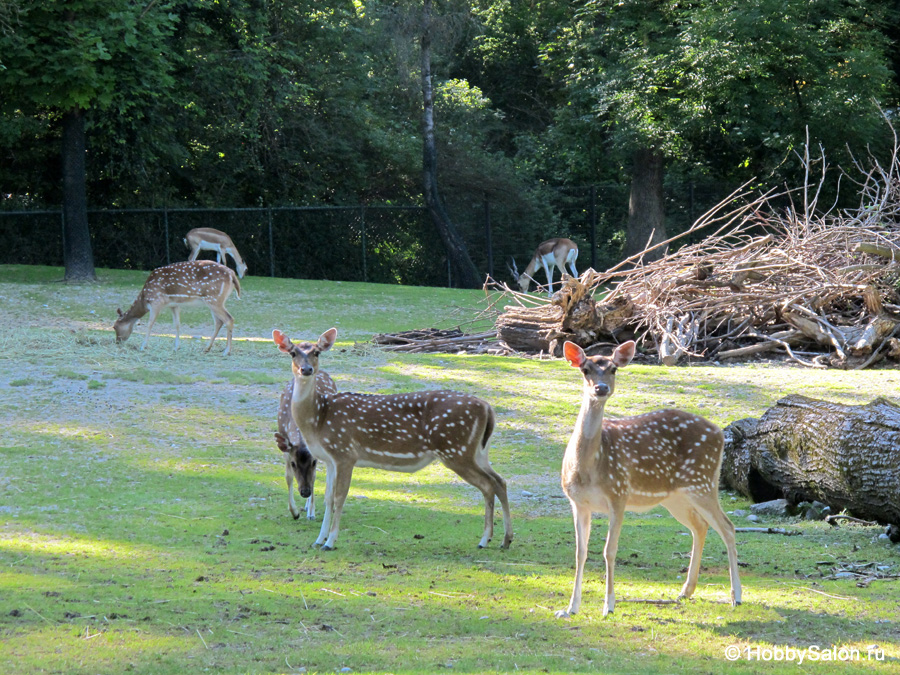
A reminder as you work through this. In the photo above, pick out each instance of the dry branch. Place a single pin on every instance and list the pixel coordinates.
(769, 277)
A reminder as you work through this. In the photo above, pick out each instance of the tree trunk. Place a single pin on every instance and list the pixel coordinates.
(847, 457)
(77, 253)
(646, 208)
(466, 274)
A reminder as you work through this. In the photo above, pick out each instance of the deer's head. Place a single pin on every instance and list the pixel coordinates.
(305, 355)
(301, 461)
(123, 326)
(599, 372)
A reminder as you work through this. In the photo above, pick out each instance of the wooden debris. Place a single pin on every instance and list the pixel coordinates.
(770, 530)
(435, 340)
(770, 278)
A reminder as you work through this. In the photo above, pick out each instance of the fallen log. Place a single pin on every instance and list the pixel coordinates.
(803, 449)
(572, 314)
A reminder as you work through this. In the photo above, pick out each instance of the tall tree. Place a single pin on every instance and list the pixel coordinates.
(466, 273)
(729, 86)
(64, 60)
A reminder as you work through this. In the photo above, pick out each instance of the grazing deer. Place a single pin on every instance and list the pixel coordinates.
(181, 284)
(667, 457)
(558, 252)
(399, 432)
(298, 462)
(208, 239)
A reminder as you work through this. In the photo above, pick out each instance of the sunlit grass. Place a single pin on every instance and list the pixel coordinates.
(144, 524)
(40, 543)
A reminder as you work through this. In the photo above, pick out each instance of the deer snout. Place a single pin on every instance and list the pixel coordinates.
(306, 370)
(601, 389)
(305, 491)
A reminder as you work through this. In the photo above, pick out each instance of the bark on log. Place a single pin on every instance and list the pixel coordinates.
(572, 315)
(845, 456)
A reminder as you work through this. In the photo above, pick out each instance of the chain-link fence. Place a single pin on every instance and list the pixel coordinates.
(382, 244)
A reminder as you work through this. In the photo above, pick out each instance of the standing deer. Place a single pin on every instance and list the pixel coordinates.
(208, 239)
(558, 252)
(399, 432)
(181, 284)
(298, 462)
(667, 457)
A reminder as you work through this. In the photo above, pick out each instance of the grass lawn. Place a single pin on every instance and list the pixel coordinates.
(144, 525)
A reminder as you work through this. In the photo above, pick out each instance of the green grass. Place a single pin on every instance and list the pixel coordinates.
(144, 524)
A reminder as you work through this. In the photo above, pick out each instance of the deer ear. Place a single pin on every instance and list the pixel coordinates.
(119, 312)
(282, 340)
(326, 340)
(282, 442)
(623, 354)
(574, 354)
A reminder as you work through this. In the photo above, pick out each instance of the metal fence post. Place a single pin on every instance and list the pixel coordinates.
(271, 244)
(166, 227)
(593, 227)
(488, 237)
(362, 224)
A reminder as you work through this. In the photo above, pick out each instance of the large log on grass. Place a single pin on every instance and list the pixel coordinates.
(804, 449)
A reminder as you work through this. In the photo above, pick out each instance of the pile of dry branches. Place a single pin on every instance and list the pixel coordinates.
(776, 273)
(432, 340)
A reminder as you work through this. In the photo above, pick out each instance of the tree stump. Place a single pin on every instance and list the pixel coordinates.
(803, 449)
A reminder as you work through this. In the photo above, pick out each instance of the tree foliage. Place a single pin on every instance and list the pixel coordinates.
(237, 103)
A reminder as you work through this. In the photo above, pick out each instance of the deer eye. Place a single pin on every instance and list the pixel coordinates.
(613, 368)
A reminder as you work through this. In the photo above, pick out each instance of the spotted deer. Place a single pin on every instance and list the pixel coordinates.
(667, 457)
(553, 252)
(298, 461)
(182, 284)
(209, 239)
(398, 432)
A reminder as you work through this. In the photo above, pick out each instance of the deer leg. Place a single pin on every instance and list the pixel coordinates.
(500, 491)
(218, 327)
(311, 507)
(330, 470)
(222, 317)
(194, 253)
(711, 510)
(478, 477)
(616, 516)
(154, 313)
(582, 517)
(685, 514)
(339, 495)
(176, 319)
(549, 272)
(289, 478)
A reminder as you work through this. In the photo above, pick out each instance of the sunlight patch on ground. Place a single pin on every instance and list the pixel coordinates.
(25, 543)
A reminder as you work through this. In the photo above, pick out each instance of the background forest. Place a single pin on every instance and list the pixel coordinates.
(248, 103)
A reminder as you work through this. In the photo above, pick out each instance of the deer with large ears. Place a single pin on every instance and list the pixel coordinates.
(183, 284)
(299, 463)
(398, 432)
(559, 252)
(667, 457)
(209, 239)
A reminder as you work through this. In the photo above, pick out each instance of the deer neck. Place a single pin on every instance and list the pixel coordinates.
(586, 444)
(138, 308)
(306, 405)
